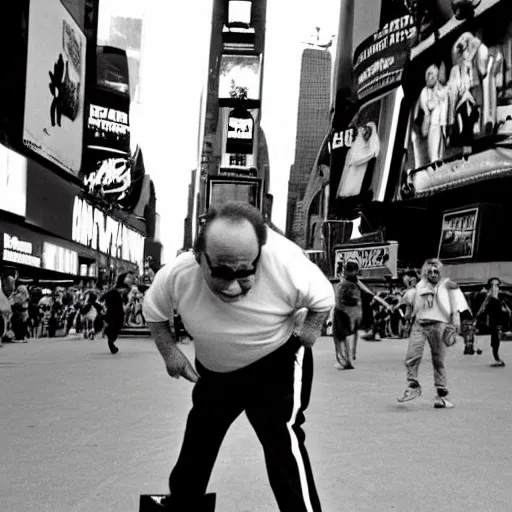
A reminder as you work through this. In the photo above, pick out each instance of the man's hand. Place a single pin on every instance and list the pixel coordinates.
(175, 361)
(178, 365)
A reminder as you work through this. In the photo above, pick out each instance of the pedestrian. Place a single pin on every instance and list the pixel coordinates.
(497, 312)
(436, 305)
(348, 314)
(114, 301)
(238, 295)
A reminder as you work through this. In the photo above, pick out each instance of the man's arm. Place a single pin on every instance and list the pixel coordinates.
(312, 327)
(176, 362)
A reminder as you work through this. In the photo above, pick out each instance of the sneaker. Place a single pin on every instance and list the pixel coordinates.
(410, 394)
(441, 402)
(338, 366)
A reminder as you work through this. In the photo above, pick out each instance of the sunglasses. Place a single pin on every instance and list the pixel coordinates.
(228, 274)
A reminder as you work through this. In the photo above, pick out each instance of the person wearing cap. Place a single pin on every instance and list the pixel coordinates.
(240, 296)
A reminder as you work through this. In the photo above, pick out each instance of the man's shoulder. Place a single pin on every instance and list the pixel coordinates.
(277, 244)
(183, 264)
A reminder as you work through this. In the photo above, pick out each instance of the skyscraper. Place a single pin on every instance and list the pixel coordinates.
(312, 125)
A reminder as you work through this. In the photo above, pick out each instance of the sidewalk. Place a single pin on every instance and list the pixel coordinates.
(86, 431)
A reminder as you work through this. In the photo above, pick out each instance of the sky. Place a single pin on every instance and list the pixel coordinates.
(173, 71)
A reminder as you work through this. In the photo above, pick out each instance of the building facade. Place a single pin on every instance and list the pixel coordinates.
(73, 198)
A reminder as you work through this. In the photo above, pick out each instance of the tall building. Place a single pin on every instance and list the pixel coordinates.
(233, 163)
(312, 125)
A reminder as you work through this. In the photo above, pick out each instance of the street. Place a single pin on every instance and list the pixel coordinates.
(85, 431)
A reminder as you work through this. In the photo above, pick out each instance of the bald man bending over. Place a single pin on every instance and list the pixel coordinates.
(238, 296)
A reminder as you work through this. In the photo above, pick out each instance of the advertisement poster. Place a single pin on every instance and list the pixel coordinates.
(375, 260)
(458, 234)
(13, 182)
(460, 122)
(54, 96)
(380, 60)
(361, 153)
(239, 77)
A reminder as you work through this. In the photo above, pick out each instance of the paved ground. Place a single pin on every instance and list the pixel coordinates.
(85, 431)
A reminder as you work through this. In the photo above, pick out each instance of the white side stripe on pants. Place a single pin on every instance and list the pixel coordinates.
(297, 389)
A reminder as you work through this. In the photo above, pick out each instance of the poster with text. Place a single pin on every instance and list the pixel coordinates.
(54, 95)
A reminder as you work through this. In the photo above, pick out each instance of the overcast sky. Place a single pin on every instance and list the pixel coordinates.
(174, 63)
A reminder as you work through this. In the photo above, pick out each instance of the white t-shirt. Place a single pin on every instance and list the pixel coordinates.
(229, 336)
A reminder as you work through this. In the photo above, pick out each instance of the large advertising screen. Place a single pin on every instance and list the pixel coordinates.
(380, 60)
(13, 182)
(239, 77)
(361, 154)
(460, 122)
(54, 95)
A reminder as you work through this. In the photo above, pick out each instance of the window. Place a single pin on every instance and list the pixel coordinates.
(238, 160)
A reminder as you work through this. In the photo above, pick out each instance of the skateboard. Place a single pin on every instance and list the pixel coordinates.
(156, 503)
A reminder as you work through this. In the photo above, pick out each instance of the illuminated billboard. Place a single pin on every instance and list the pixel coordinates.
(239, 77)
(240, 132)
(379, 61)
(361, 154)
(460, 122)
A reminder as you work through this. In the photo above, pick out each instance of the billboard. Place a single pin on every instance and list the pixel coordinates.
(458, 233)
(239, 77)
(379, 61)
(240, 132)
(222, 190)
(460, 122)
(54, 95)
(13, 182)
(375, 260)
(108, 129)
(112, 70)
(361, 153)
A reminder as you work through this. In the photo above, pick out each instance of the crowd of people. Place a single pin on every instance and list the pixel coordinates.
(32, 311)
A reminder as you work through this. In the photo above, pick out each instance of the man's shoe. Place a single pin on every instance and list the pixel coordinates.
(112, 348)
(498, 364)
(441, 402)
(410, 394)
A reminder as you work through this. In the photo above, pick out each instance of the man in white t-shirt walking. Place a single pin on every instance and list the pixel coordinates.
(238, 296)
